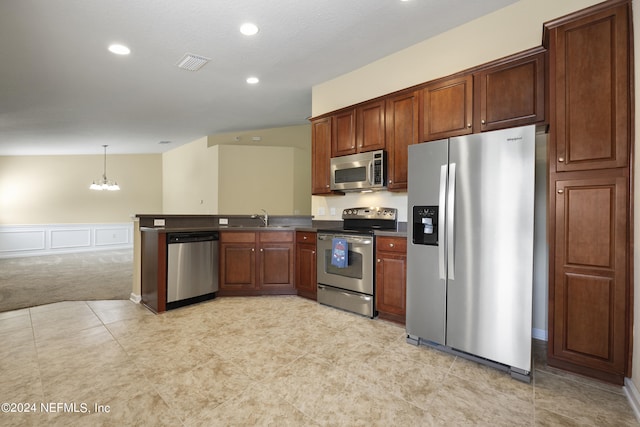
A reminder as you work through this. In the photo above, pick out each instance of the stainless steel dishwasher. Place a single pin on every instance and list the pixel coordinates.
(192, 267)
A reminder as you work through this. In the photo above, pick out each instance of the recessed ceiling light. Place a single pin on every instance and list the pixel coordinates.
(249, 29)
(119, 49)
(252, 80)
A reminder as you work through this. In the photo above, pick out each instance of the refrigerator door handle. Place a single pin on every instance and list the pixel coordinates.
(451, 208)
(441, 220)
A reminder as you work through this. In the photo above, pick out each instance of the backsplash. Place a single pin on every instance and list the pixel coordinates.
(329, 208)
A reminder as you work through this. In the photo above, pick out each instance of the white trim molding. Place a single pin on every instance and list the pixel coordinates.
(135, 298)
(48, 239)
(632, 396)
(539, 334)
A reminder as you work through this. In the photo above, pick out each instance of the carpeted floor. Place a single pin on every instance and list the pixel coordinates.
(85, 276)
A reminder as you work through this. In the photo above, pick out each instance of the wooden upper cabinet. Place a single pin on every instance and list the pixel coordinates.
(343, 140)
(447, 108)
(321, 155)
(589, 62)
(402, 113)
(370, 126)
(510, 93)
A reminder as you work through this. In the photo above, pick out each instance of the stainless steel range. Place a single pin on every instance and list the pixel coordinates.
(346, 277)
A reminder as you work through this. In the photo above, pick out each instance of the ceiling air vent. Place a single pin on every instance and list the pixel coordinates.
(192, 62)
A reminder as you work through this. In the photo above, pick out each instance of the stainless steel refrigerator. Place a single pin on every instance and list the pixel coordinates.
(470, 247)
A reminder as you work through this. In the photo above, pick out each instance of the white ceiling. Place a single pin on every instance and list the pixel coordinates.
(62, 92)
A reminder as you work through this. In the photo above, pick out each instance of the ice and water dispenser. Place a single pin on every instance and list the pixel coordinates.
(425, 225)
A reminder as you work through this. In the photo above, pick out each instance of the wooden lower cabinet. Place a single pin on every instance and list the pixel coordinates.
(391, 278)
(589, 299)
(256, 263)
(306, 265)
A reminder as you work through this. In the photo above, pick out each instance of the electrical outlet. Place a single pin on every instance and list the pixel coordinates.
(333, 211)
(320, 211)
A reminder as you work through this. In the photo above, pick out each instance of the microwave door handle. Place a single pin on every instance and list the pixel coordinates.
(370, 173)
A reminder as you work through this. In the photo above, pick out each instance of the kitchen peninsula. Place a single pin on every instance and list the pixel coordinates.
(251, 248)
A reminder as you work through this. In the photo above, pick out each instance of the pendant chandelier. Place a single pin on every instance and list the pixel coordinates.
(104, 183)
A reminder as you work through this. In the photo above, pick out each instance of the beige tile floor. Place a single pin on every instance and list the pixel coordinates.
(280, 361)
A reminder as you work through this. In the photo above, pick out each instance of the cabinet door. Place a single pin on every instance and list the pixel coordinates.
(370, 126)
(237, 266)
(590, 92)
(589, 297)
(275, 265)
(510, 94)
(306, 281)
(321, 156)
(344, 133)
(402, 130)
(447, 108)
(391, 279)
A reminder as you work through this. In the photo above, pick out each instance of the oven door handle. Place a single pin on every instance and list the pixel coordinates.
(362, 297)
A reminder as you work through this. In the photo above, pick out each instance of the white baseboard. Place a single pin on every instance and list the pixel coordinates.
(49, 239)
(135, 298)
(633, 396)
(539, 334)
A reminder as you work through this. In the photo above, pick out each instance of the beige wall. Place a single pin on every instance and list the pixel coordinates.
(232, 174)
(501, 33)
(190, 179)
(255, 178)
(55, 189)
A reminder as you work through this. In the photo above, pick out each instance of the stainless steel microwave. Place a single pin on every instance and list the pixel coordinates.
(359, 172)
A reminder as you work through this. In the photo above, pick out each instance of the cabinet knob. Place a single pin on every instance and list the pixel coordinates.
(304, 238)
(261, 249)
(253, 250)
(379, 260)
(483, 122)
(560, 191)
(469, 125)
(313, 252)
(327, 185)
(561, 159)
(390, 181)
(390, 245)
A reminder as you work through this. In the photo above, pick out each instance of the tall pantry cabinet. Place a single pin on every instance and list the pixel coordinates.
(590, 191)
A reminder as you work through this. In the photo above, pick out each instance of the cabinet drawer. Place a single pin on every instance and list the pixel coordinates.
(276, 236)
(305, 237)
(391, 244)
(237, 237)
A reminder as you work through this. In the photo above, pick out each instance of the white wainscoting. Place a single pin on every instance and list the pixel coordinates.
(47, 239)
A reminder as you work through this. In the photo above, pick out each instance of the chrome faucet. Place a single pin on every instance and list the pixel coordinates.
(264, 218)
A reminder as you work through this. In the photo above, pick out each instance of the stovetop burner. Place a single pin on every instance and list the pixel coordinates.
(367, 220)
